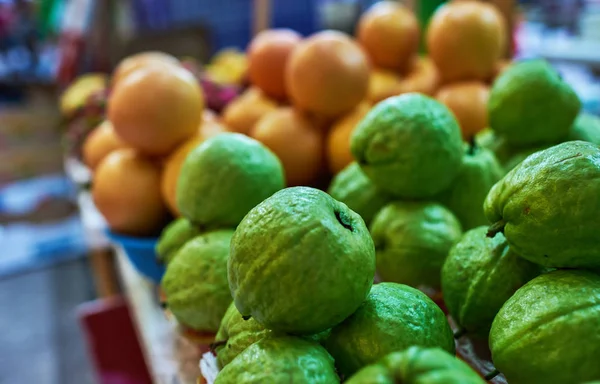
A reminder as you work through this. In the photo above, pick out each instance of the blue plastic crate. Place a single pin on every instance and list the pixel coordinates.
(141, 253)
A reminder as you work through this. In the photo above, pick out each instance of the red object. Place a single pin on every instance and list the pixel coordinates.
(71, 47)
(112, 342)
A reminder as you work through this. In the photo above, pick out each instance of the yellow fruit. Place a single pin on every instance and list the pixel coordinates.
(468, 102)
(327, 74)
(241, 114)
(99, 143)
(382, 84)
(466, 39)
(389, 32)
(268, 54)
(76, 95)
(295, 141)
(156, 107)
(132, 63)
(338, 139)
(126, 191)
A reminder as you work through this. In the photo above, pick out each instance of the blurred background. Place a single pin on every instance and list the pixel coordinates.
(54, 256)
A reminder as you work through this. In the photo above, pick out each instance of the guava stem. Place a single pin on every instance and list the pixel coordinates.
(163, 304)
(496, 228)
(472, 146)
(213, 346)
(460, 333)
(247, 317)
(492, 374)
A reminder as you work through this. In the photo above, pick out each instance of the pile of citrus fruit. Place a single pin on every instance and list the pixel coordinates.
(361, 210)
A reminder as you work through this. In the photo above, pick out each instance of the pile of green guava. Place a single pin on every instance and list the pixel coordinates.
(305, 286)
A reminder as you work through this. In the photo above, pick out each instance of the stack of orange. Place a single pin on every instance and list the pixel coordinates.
(299, 87)
(466, 40)
(155, 116)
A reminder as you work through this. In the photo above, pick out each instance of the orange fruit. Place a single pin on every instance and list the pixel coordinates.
(468, 101)
(422, 78)
(139, 60)
(241, 114)
(171, 170)
(267, 57)
(465, 39)
(297, 143)
(389, 32)
(211, 125)
(155, 108)
(382, 84)
(126, 191)
(99, 143)
(327, 74)
(338, 139)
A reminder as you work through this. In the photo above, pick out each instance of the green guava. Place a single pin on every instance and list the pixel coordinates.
(518, 156)
(353, 188)
(417, 365)
(549, 330)
(412, 240)
(224, 178)
(465, 197)
(531, 104)
(479, 275)
(300, 262)
(280, 359)
(548, 206)
(409, 145)
(393, 318)
(235, 335)
(489, 140)
(195, 282)
(586, 128)
(173, 237)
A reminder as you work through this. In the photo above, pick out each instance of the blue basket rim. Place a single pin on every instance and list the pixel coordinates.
(132, 240)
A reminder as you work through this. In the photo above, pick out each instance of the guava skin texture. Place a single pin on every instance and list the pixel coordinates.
(195, 282)
(548, 206)
(409, 145)
(417, 365)
(412, 240)
(353, 188)
(465, 197)
(300, 262)
(549, 331)
(173, 237)
(393, 318)
(224, 178)
(479, 275)
(237, 334)
(531, 104)
(283, 359)
(586, 128)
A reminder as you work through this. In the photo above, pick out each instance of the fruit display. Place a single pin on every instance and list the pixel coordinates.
(361, 212)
